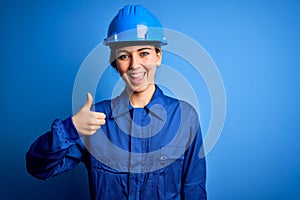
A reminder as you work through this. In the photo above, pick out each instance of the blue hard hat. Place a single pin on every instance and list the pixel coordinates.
(135, 23)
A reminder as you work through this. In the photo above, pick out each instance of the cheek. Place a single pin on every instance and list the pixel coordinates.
(121, 67)
(151, 64)
(151, 70)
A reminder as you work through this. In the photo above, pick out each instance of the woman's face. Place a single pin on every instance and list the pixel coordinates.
(137, 66)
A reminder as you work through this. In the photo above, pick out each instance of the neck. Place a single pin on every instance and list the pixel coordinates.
(141, 99)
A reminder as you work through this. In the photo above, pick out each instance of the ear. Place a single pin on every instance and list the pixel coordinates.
(158, 57)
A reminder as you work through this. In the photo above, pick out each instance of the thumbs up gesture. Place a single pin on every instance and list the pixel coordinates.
(86, 121)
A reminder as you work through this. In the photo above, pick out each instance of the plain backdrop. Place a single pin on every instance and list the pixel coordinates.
(255, 45)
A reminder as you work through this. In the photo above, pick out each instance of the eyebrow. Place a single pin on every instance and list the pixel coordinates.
(125, 51)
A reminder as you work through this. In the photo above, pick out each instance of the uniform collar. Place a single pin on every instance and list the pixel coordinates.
(121, 104)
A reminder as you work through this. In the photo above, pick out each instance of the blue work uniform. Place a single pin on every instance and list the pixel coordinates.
(138, 154)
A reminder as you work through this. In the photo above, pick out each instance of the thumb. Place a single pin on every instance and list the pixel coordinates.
(89, 101)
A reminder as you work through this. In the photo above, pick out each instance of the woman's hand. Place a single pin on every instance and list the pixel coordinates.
(86, 121)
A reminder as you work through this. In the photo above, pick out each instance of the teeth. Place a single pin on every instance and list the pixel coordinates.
(137, 75)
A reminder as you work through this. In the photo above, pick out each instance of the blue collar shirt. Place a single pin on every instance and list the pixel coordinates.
(138, 154)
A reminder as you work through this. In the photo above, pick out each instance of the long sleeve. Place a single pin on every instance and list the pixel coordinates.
(55, 152)
(194, 171)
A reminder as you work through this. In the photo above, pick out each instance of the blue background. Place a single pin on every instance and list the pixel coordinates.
(255, 45)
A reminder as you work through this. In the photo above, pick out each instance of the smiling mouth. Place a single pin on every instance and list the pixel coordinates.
(137, 78)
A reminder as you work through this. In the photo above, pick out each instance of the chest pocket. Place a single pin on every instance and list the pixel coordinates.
(171, 175)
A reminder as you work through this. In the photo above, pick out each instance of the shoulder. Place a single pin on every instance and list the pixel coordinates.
(188, 110)
(102, 106)
(106, 106)
(183, 105)
(185, 108)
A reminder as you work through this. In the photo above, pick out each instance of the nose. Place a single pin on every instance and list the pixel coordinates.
(135, 62)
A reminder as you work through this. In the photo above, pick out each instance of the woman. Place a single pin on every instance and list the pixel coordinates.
(156, 139)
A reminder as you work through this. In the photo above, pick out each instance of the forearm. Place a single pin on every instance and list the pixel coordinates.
(54, 152)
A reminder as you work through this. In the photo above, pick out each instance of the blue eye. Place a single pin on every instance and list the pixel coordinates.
(143, 54)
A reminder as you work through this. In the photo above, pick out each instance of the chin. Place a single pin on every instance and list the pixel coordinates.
(140, 88)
